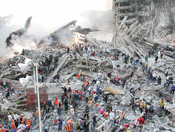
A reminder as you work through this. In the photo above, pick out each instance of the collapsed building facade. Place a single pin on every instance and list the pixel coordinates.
(136, 30)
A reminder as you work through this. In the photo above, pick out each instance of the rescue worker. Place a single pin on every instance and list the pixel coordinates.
(1, 128)
(86, 112)
(49, 105)
(21, 119)
(141, 105)
(122, 116)
(44, 107)
(55, 115)
(94, 121)
(12, 124)
(59, 107)
(15, 116)
(66, 106)
(109, 77)
(68, 127)
(22, 126)
(162, 101)
(140, 122)
(33, 118)
(172, 89)
(90, 103)
(28, 124)
(55, 103)
(111, 117)
(60, 124)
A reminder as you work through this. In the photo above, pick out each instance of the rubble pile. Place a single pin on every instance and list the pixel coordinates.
(94, 85)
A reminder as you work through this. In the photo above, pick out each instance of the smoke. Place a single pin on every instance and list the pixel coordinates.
(51, 15)
(100, 20)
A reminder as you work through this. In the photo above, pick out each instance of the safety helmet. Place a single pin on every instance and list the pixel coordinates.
(122, 112)
(140, 99)
(21, 114)
(12, 120)
(55, 111)
(115, 103)
(144, 105)
(62, 91)
(1, 125)
(140, 115)
(28, 118)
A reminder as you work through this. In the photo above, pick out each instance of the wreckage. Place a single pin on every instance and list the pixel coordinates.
(134, 29)
(19, 32)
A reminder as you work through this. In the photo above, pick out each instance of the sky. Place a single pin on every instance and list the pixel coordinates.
(49, 15)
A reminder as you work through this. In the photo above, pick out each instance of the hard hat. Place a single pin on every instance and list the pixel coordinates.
(1, 125)
(116, 124)
(28, 118)
(21, 114)
(57, 117)
(122, 112)
(46, 127)
(55, 111)
(62, 91)
(105, 93)
(12, 120)
(115, 103)
(58, 100)
(129, 128)
(121, 127)
(44, 101)
(140, 115)
(144, 105)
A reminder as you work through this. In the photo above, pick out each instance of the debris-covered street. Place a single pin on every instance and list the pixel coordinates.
(71, 81)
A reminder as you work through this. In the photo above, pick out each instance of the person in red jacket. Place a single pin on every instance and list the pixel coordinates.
(140, 122)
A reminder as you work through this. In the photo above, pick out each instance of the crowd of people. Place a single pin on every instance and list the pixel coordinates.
(93, 101)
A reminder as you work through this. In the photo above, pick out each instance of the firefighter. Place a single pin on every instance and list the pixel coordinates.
(21, 119)
(28, 124)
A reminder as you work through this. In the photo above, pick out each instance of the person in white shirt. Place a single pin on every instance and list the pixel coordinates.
(111, 117)
(99, 75)
(23, 127)
(16, 117)
(9, 119)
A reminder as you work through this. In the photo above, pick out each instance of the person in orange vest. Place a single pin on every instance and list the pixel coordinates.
(55, 102)
(21, 119)
(141, 105)
(12, 124)
(28, 124)
(68, 127)
(1, 128)
(78, 76)
(105, 114)
(37, 112)
(122, 118)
